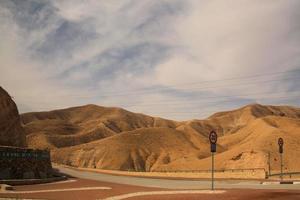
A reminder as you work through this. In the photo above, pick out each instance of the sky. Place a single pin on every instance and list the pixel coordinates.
(177, 59)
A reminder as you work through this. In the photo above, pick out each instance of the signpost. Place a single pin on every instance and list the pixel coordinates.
(280, 143)
(213, 137)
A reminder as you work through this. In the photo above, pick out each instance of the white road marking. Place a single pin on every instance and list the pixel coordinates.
(136, 194)
(57, 190)
(59, 182)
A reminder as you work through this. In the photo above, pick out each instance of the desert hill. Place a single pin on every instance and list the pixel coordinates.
(144, 149)
(113, 138)
(78, 125)
(11, 132)
(250, 133)
(249, 146)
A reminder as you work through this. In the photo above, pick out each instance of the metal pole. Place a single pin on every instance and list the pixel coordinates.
(281, 165)
(212, 171)
(269, 162)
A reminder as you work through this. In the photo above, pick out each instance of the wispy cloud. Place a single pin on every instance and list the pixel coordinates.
(143, 55)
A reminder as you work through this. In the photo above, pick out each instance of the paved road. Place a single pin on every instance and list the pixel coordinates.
(73, 189)
(92, 185)
(174, 184)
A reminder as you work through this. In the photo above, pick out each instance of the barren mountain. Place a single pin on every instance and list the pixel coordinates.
(78, 125)
(249, 134)
(11, 132)
(112, 138)
(143, 149)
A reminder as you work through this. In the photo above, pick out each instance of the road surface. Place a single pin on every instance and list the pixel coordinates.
(86, 185)
(175, 184)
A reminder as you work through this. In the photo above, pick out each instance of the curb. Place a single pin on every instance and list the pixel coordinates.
(32, 181)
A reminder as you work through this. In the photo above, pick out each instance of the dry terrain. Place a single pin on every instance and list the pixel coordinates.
(113, 138)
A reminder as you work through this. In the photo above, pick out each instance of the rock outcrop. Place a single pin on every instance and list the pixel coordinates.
(16, 161)
(11, 131)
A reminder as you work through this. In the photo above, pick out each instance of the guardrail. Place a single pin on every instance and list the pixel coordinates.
(206, 171)
(285, 174)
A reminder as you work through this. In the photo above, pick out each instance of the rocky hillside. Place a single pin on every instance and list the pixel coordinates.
(11, 131)
(113, 138)
(78, 125)
(144, 149)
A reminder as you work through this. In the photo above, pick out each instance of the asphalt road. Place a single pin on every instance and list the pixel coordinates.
(175, 184)
(88, 185)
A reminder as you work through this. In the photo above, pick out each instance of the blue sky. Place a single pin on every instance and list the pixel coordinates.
(178, 59)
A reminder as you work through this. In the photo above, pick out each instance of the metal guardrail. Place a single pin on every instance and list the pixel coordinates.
(285, 174)
(206, 171)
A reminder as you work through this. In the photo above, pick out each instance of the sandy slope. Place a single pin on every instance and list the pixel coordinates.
(143, 149)
(112, 138)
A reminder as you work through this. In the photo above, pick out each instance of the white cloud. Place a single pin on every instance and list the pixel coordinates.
(64, 53)
(233, 38)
